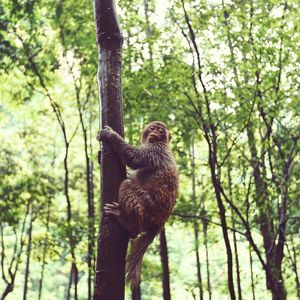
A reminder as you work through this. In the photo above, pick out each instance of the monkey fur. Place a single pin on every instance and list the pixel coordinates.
(147, 197)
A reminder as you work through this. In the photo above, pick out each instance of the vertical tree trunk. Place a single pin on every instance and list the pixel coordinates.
(274, 253)
(91, 226)
(28, 253)
(252, 274)
(92, 190)
(136, 293)
(165, 265)
(250, 250)
(71, 237)
(45, 248)
(196, 226)
(198, 264)
(222, 214)
(237, 266)
(68, 297)
(204, 225)
(112, 240)
(207, 269)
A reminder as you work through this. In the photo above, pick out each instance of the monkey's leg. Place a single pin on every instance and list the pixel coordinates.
(132, 198)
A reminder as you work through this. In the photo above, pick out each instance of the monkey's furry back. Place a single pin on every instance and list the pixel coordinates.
(135, 257)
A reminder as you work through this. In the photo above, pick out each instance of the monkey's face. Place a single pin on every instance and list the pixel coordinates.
(156, 132)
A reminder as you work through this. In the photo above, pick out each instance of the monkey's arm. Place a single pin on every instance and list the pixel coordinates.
(130, 155)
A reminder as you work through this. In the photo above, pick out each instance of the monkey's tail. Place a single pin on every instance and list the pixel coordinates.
(135, 257)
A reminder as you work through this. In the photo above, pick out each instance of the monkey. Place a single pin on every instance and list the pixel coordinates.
(147, 197)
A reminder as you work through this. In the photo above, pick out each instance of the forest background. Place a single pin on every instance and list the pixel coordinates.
(224, 76)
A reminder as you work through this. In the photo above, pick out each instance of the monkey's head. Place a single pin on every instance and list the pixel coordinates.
(156, 132)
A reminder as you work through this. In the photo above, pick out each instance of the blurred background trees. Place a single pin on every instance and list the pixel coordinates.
(223, 75)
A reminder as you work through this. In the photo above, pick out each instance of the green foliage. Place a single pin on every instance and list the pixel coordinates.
(249, 64)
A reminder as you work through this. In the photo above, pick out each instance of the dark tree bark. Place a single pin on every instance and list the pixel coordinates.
(198, 263)
(252, 274)
(165, 265)
(207, 256)
(28, 253)
(112, 240)
(71, 237)
(196, 225)
(273, 251)
(250, 250)
(91, 225)
(45, 248)
(136, 293)
(237, 265)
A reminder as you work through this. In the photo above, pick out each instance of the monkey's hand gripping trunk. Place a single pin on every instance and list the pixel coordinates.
(129, 154)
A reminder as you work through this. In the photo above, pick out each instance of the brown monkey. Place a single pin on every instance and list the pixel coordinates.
(147, 197)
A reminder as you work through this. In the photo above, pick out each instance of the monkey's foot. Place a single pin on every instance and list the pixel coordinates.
(112, 208)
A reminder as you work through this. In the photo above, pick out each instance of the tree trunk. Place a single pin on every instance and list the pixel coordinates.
(252, 274)
(91, 227)
(45, 248)
(196, 226)
(237, 266)
(274, 253)
(136, 293)
(165, 265)
(198, 264)
(9, 288)
(204, 224)
(112, 240)
(28, 252)
(247, 204)
(222, 214)
(71, 237)
(68, 297)
(75, 274)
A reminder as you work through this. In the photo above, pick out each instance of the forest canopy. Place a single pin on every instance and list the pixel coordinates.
(223, 75)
